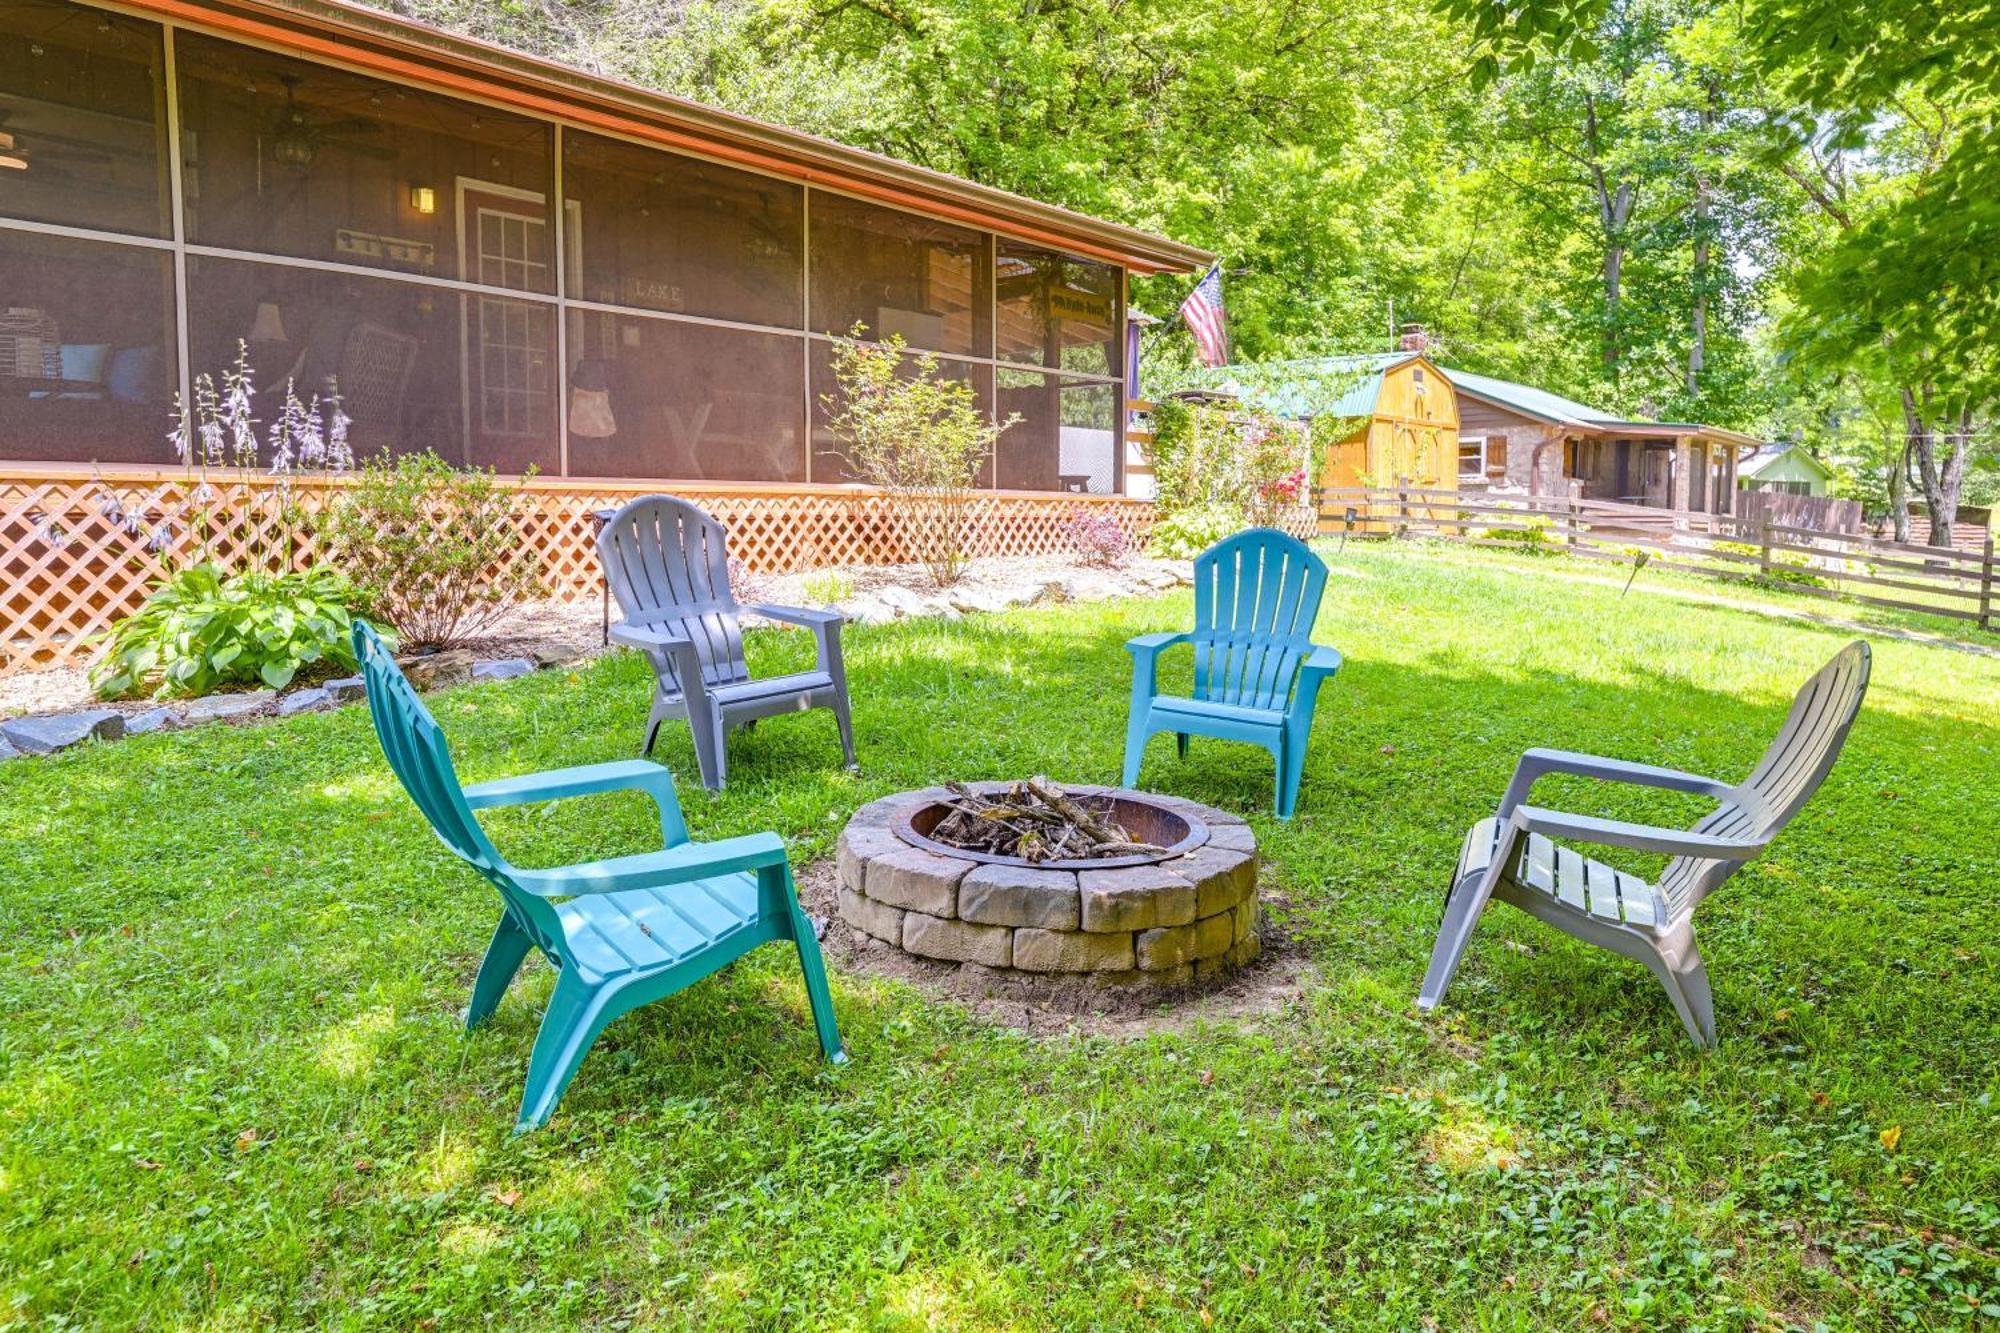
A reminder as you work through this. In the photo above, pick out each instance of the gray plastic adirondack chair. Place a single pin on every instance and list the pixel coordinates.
(668, 565)
(1511, 856)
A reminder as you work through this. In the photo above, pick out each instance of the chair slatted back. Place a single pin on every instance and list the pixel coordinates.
(1792, 768)
(1256, 596)
(668, 565)
(414, 745)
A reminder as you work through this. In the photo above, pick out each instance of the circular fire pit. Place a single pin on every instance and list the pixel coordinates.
(1183, 913)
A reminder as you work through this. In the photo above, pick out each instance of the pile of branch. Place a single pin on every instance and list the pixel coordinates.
(1036, 821)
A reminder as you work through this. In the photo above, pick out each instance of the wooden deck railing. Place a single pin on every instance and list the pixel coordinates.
(78, 551)
(1941, 581)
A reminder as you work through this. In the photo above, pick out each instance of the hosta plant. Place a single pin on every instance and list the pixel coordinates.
(202, 628)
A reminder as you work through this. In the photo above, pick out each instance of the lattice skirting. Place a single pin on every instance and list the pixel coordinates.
(79, 551)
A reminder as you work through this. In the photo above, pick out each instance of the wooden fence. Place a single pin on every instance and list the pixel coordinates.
(1821, 513)
(79, 551)
(1938, 581)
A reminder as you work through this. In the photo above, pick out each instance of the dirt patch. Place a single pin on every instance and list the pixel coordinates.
(1070, 1005)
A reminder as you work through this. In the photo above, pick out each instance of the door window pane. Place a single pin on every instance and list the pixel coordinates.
(1057, 310)
(81, 105)
(665, 232)
(467, 376)
(290, 158)
(897, 273)
(1067, 438)
(659, 398)
(829, 451)
(87, 368)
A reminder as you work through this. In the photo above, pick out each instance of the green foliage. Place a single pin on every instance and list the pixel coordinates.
(1532, 536)
(917, 434)
(437, 549)
(1185, 533)
(1208, 457)
(236, 1092)
(824, 587)
(202, 629)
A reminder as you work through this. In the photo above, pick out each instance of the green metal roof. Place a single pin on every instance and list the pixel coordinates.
(1336, 386)
(1535, 402)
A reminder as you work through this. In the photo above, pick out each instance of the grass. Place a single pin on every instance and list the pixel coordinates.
(233, 1091)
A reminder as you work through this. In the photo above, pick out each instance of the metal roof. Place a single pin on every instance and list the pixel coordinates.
(1553, 407)
(1337, 386)
(418, 54)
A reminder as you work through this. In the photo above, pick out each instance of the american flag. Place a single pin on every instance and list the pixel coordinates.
(1202, 312)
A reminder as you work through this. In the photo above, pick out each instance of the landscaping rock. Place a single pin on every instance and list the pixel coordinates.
(978, 600)
(58, 731)
(1135, 898)
(916, 879)
(304, 701)
(957, 941)
(347, 689)
(153, 719)
(7, 751)
(220, 707)
(870, 917)
(1018, 896)
(1089, 586)
(900, 600)
(437, 671)
(502, 668)
(1072, 951)
(868, 609)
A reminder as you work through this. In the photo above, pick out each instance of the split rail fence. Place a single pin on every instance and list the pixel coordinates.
(1955, 583)
(80, 551)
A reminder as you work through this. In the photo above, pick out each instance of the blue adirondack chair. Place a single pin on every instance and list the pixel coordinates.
(1256, 673)
(622, 932)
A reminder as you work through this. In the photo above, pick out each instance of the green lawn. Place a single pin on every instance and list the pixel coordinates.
(233, 1092)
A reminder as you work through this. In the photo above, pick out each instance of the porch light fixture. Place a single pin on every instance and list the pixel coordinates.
(423, 199)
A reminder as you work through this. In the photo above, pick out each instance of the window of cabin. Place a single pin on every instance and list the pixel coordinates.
(1472, 459)
(1056, 310)
(664, 232)
(287, 157)
(897, 273)
(1067, 438)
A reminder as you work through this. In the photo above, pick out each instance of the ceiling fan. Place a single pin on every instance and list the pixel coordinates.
(297, 138)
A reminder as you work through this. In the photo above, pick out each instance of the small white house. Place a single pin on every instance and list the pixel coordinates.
(1784, 467)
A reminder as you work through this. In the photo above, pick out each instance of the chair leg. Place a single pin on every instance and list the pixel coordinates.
(1295, 772)
(1136, 735)
(654, 718)
(1283, 793)
(709, 747)
(846, 724)
(576, 1014)
(818, 994)
(1688, 988)
(503, 959)
(1461, 916)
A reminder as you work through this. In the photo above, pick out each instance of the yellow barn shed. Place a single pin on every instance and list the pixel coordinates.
(1398, 414)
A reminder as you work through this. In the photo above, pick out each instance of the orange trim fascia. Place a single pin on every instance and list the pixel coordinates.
(381, 62)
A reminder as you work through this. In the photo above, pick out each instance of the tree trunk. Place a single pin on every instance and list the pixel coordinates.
(1942, 478)
(1899, 494)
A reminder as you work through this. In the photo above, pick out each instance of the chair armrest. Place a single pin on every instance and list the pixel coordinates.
(562, 784)
(654, 640)
(808, 616)
(1322, 662)
(1537, 763)
(654, 870)
(1149, 645)
(1637, 837)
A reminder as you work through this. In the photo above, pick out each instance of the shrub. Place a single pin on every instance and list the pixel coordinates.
(824, 587)
(1188, 533)
(1097, 539)
(437, 550)
(201, 628)
(918, 436)
(1532, 537)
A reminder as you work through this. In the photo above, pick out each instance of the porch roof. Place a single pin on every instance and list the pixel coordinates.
(1556, 409)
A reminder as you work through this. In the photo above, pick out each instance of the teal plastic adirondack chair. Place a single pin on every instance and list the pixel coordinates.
(622, 932)
(1256, 673)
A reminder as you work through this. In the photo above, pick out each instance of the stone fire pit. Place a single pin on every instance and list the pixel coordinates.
(1187, 914)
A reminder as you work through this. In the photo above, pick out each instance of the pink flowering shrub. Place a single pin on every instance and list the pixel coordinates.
(1097, 539)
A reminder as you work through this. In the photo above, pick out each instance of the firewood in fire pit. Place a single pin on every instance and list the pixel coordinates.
(1036, 821)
